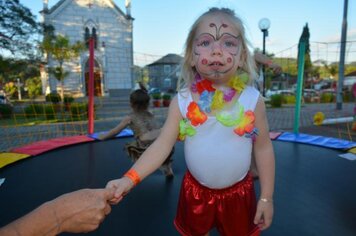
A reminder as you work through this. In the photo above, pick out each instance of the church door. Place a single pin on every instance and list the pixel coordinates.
(97, 79)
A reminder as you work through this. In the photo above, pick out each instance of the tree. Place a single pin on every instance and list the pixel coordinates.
(60, 49)
(17, 28)
(34, 87)
(307, 61)
(11, 69)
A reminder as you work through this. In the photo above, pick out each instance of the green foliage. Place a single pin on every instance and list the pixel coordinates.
(53, 97)
(34, 87)
(327, 97)
(33, 110)
(11, 69)
(61, 50)
(49, 112)
(68, 99)
(40, 110)
(288, 99)
(10, 88)
(17, 28)
(347, 96)
(5, 111)
(166, 96)
(156, 96)
(276, 100)
(79, 111)
(58, 72)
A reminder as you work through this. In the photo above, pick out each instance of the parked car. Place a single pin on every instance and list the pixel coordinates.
(3, 99)
(269, 93)
(311, 95)
(154, 91)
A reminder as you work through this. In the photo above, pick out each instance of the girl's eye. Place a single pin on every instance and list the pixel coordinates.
(205, 43)
(230, 44)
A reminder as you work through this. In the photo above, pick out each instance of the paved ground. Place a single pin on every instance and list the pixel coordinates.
(111, 111)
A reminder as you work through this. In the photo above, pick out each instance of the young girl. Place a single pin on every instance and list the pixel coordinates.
(221, 118)
(145, 128)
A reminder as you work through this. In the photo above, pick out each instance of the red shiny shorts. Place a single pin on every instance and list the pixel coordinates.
(231, 210)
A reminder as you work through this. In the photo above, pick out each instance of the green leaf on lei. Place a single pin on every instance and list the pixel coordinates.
(185, 128)
(231, 119)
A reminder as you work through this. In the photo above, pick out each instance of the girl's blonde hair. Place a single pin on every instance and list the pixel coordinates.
(188, 72)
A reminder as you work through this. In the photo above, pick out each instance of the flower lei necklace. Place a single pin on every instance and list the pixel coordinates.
(216, 99)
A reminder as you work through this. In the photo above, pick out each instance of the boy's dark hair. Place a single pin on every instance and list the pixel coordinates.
(139, 99)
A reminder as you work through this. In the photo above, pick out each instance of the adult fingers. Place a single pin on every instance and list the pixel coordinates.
(108, 193)
(107, 209)
(115, 201)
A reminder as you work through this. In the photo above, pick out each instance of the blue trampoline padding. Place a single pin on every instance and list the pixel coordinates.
(316, 140)
(124, 133)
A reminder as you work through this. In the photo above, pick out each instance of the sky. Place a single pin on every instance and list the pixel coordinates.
(161, 26)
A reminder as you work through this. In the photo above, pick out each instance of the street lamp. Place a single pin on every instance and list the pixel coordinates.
(264, 25)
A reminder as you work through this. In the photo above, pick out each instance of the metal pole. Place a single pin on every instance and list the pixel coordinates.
(342, 59)
(299, 86)
(91, 87)
(263, 66)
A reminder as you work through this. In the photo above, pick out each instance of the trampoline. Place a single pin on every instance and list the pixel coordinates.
(315, 191)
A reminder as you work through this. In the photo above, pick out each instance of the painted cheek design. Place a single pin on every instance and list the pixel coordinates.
(229, 60)
(204, 61)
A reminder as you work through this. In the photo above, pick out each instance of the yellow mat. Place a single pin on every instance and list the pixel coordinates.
(9, 157)
(352, 150)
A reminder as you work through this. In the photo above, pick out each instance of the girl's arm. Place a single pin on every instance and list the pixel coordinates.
(265, 163)
(155, 154)
(125, 122)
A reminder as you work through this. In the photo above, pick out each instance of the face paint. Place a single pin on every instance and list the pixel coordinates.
(205, 43)
(216, 49)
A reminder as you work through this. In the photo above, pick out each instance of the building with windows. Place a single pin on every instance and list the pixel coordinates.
(164, 73)
(112, 30)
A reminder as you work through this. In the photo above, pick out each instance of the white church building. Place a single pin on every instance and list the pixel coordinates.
(112, 29)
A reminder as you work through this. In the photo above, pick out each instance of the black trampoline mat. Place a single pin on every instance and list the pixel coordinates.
(315, 192)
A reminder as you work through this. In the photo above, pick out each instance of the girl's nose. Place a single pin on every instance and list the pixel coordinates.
(216, 49)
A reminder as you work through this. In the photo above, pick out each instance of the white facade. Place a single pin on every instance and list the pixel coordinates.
(114, 51)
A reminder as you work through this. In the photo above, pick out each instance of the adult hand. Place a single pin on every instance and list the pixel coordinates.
(277, 69)
(82, 210)
(121, 187)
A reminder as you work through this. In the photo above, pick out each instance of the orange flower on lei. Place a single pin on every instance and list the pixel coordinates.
(195, 115)
(205, 85)
(246, 124)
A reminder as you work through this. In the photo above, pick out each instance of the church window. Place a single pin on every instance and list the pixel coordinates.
(86, 37)
(95, 37)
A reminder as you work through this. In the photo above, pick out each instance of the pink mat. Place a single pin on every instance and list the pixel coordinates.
(48, 145)
(274, 135)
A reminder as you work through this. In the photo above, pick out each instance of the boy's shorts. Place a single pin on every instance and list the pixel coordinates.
(231, 210)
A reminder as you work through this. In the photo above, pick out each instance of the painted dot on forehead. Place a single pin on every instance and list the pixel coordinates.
(229, 59)
(204, 61)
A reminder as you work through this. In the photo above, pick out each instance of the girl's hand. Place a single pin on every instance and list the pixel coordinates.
(264, 214)
(121, 186)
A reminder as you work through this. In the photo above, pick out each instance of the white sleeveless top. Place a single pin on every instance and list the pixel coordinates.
(216, 156)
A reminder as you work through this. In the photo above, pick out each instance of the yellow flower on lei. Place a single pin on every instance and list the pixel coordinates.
(237, 83)
(218, 100)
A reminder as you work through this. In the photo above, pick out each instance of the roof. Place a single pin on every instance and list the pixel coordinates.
(59, 3)
(168, 59)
